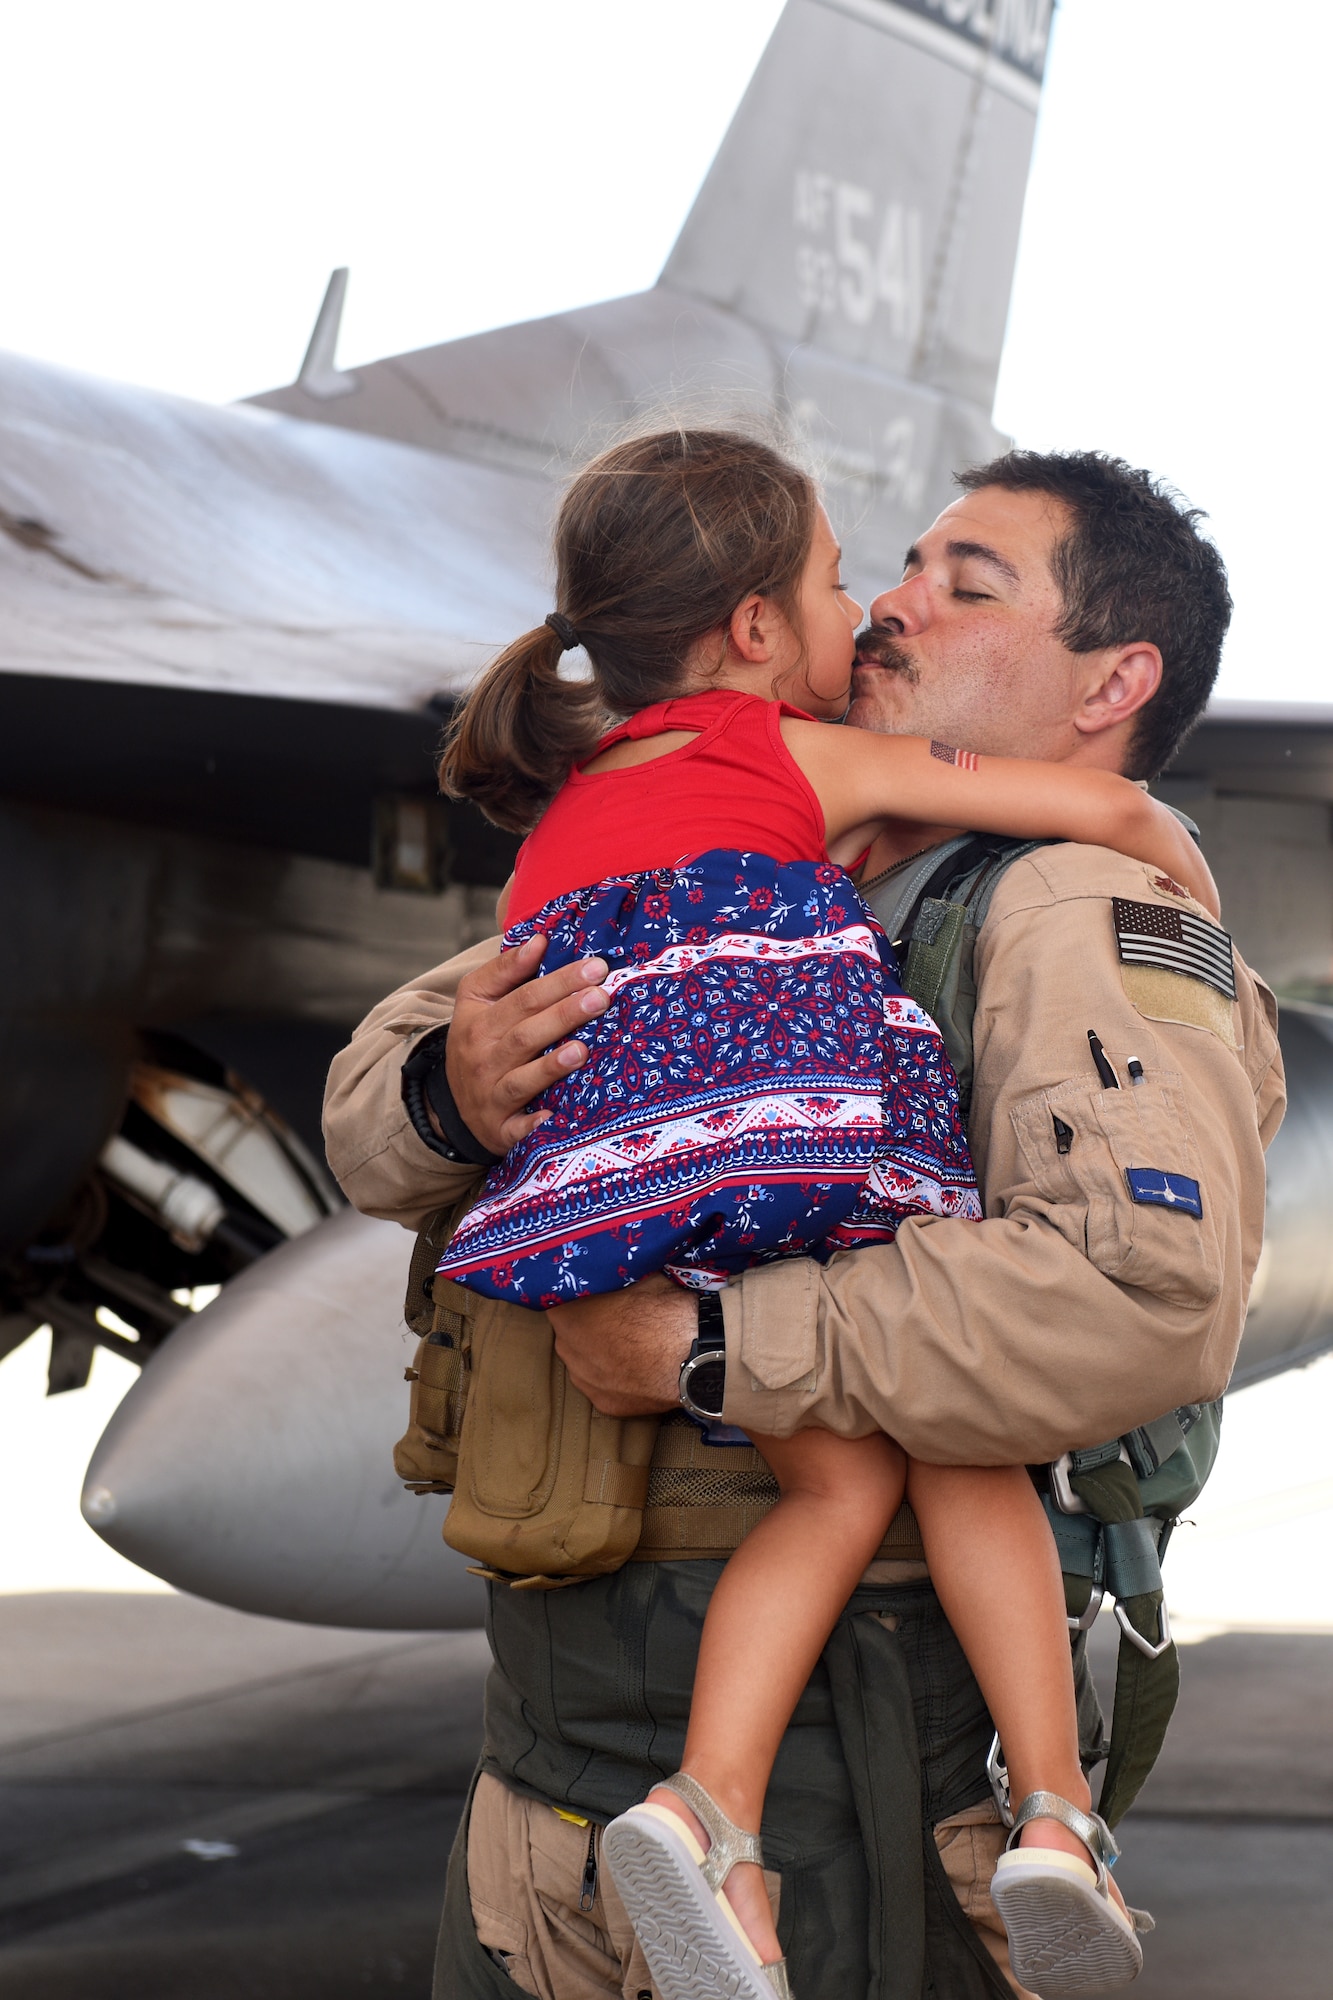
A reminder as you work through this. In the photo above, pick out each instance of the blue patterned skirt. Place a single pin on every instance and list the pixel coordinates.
(761, 1088)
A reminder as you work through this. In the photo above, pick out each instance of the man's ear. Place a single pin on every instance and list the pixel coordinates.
(750, 631)
(1127, 679)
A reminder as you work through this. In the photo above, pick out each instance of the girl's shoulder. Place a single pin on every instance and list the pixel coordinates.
(706, 708)
(700, 720)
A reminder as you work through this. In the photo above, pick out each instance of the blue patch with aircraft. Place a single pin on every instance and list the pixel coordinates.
(1156, 1189)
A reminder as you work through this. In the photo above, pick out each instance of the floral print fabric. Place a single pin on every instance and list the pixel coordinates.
(761, 1088)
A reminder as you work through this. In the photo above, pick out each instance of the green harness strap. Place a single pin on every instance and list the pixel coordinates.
(1134, 1490)
(933, 911)
(1146, 1682)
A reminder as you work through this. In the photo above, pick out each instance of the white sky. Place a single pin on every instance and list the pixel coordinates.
(180, 179)
(1172, 295)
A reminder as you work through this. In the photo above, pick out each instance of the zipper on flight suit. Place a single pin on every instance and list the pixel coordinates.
(588, 1893)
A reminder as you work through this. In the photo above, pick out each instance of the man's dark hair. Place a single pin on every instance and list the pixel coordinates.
(1133, 566)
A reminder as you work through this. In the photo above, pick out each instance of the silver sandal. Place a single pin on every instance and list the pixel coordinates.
(1067, 1933)
(673, 1891)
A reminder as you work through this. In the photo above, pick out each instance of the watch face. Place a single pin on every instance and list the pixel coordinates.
(705, 1385)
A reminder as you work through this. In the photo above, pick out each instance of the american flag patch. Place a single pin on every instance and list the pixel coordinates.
(1175, 941)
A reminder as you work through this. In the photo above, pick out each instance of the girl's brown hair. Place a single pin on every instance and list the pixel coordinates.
(656, 543)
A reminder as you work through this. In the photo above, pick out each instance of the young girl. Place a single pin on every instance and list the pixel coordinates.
(763, 1087)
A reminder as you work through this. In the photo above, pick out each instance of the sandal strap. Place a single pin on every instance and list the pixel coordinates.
(729, 1843)
(1090, 1828)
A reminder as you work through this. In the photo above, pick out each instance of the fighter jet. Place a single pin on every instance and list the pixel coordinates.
(228, 638)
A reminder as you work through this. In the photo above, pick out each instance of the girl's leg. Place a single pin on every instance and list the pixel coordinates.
(996, 1572)
(775, 1604)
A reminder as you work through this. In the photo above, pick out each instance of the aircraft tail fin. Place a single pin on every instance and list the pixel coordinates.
(867, 197)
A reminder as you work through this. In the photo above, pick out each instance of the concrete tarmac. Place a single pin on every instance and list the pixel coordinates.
(199, 1805)
(1231, 1842)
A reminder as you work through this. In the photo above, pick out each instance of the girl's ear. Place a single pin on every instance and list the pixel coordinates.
(751, 630)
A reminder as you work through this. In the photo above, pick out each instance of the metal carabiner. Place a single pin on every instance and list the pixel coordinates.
(1086, 1622)
(1145, 1646)
(999, 1781)
(1062, 1493)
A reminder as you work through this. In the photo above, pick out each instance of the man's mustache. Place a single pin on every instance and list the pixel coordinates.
(877, 646)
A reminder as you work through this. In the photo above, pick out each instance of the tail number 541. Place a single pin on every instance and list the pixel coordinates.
(857, 261)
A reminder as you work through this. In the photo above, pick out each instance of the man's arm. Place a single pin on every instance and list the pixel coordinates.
(1073, 1312)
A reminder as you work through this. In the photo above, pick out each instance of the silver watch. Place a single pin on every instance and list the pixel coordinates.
(703, 1373)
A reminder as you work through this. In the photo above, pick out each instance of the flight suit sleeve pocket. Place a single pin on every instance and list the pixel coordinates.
(1118, 1172)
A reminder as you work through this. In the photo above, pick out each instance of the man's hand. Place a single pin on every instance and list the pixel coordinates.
(624, 1349)
(504, 1021)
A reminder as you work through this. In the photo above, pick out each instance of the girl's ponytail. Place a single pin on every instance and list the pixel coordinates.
(512, 743)
(656, 543)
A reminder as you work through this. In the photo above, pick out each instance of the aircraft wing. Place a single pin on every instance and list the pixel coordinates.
(1256, 749)
(150, 540)
(1258, 779)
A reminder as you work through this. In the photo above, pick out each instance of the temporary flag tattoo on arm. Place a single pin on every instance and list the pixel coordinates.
(965, 760)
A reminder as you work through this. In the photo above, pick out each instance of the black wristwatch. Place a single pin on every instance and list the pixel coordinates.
(703, 1373)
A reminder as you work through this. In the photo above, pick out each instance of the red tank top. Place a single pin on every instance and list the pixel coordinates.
(735, 785)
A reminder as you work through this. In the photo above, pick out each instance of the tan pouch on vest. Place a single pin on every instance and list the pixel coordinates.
(426, 1456)
(546, 1489)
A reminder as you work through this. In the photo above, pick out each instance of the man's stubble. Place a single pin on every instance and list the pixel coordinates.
(971, 704)
(884, 682)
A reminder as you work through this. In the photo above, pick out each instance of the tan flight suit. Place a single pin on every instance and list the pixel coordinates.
(1071, 1314)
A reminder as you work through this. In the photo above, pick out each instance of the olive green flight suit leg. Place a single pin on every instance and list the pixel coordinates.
(586, 1709)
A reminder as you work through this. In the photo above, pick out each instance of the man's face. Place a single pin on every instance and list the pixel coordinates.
(964, 649)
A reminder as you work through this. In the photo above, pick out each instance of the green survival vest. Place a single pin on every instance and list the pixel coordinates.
(1112, 1508)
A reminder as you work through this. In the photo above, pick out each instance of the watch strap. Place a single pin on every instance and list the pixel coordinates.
(426, 1083)
(711, 1328)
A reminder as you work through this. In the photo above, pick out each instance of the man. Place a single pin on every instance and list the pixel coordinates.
(1063, 608)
